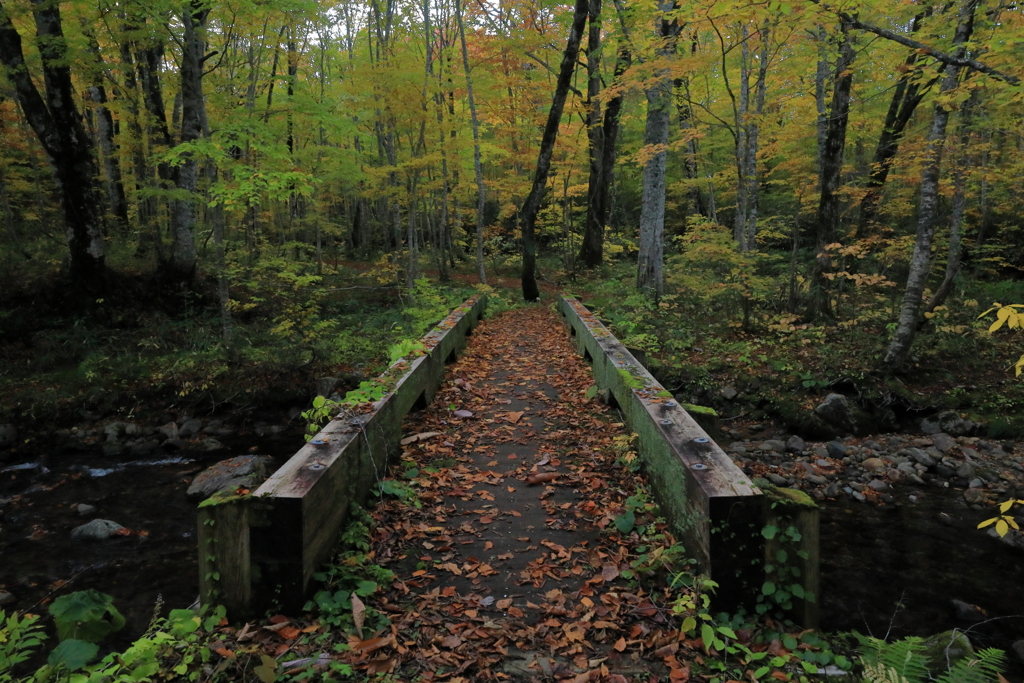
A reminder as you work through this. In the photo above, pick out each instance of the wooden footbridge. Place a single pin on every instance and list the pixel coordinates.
(265, 547)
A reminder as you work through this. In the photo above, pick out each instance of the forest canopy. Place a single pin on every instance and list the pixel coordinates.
(875, 147)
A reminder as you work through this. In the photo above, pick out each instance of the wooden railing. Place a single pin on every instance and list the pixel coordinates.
(714, 509)
(261, 549)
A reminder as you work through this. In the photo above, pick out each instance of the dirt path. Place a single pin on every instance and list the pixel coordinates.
(535, 554)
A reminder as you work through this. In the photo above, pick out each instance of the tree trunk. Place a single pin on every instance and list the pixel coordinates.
(477, 168)
(829, 212)
(58, 125)
(591, 250)
(956, 219)
(116, 199)
(650, 278)
(753, 193)
(528, 215)
(180, 268)
(821, 76)
(920, 262)
(905, 97)
(739, 224)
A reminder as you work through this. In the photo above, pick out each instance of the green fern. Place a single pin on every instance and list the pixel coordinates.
(906, 661)
(985, 669)
(904, 657)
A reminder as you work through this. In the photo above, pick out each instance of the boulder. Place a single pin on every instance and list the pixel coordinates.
(112, 449)
(872, 464)
(243, 471)
(943, 650)
(190, 428)
(943, 442)
(795, 444)
(835, 449)
(211, 444)
(919, 456)
(6, 598)
(84, 509)
(169, 430)
(774, 445)
(729, 393)
(948, 422)
(96, 530)
(1018, 649)
(325, 386)
(974, 496)
(965, 471)
(836, 410)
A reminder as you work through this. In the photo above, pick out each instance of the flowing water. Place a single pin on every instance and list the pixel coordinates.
(893, 569)
(157, 557)
(896, 569)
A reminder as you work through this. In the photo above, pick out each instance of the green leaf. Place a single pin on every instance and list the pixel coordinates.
(267, 670)
(769, 532)
(73, 654)
(86, 615)
(781, 556)
(591, 391)
(768, 588)
(689, 623)
(365, 588)
(727, 632)
(625, 522)
(183, 621)
(707, 634)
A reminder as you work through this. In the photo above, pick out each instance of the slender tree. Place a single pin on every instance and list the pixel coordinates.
(829, 209)
(477, 167)
(920, 262)
(528, 215)
(650, 261)
(57, 123)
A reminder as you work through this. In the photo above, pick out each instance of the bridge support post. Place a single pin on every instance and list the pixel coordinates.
(262, 549)
(711, 505)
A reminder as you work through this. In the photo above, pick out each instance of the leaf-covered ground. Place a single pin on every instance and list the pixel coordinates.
(516, 541)
(534, 554)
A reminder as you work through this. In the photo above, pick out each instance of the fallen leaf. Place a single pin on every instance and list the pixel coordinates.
(452, 641)
(371, 645)
(620, 644)
(515, 417)
(462, 413)
(358, 614)
(541, 478)
(422, 436)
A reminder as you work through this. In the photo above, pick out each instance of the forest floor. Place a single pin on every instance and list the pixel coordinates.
(524, 547)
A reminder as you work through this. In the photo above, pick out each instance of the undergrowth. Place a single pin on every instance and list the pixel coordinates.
(289, 327)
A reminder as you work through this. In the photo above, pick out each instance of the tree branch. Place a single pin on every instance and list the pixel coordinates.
(943, 57)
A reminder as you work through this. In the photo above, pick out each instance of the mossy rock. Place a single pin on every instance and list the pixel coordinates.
(943, 650)
(707, 418)
(784, 496)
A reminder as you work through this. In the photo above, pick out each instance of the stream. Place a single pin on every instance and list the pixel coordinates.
(896, 569)
(891, 569)
(156, 559)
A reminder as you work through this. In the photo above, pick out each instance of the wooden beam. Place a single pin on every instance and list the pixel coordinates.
(290, 526)
(715, 510)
